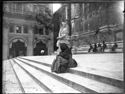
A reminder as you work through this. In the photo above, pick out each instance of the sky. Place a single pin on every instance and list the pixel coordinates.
(56, 6)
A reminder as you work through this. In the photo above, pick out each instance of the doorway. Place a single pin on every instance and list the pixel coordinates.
(40, 49)
(18, 48)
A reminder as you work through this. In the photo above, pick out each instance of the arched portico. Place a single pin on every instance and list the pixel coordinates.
(17, 47)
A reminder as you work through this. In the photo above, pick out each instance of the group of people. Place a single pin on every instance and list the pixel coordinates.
(63, 60)
(97, 47)
(100, 47)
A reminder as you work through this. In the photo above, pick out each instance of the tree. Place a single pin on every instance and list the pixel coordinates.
(44, 19)
(97, 31)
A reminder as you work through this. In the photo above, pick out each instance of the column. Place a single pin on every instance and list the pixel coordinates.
(50, 43)
(69, 22)
(69, 19)
(30, 42)
(5, 42)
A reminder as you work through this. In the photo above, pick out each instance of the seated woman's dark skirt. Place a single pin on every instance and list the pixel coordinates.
(61, 65)
(72, 63)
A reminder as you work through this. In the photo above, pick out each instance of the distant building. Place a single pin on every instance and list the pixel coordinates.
(103, 21)
(95, 22)
(19, 36)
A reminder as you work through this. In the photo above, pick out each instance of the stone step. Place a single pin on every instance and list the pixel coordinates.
(28, 83)
(74, 80)
(9, 80)
(71, 84)
(19, 83)
(55, 85)
(99, 75)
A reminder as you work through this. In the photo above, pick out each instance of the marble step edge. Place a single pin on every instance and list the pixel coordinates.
(72, 84)
(107, 80)
(19, 82)
(47, 89)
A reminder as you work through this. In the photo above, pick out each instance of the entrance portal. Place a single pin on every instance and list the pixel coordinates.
(40, 49)
(17, 48)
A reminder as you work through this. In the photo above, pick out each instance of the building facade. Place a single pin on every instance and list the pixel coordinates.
(102, 21)
(95, 22)
(19, 36)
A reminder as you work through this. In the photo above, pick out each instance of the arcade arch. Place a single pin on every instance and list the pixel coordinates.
(40, 48)
(17, 47)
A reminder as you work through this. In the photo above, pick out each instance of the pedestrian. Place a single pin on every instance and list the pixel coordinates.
(104, 46)
(114, 47)
(90, 47)
(95, 48)
(99, 47)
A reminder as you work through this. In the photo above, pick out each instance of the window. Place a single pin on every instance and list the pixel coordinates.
(25, 29)
(18, 29)
(35, 29)
(41, 31)
(6, 7)
(18, 8)
(47, 32)
(11, 28)
(12, 8)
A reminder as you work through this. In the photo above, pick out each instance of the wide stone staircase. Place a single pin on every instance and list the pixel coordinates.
(28, 75)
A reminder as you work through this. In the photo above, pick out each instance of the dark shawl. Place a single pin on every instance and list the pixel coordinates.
(65, 51)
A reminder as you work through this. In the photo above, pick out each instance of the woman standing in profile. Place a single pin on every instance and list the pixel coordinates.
(64, 51)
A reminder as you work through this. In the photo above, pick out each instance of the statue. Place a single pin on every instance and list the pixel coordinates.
(63, 36)
(64, 59)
